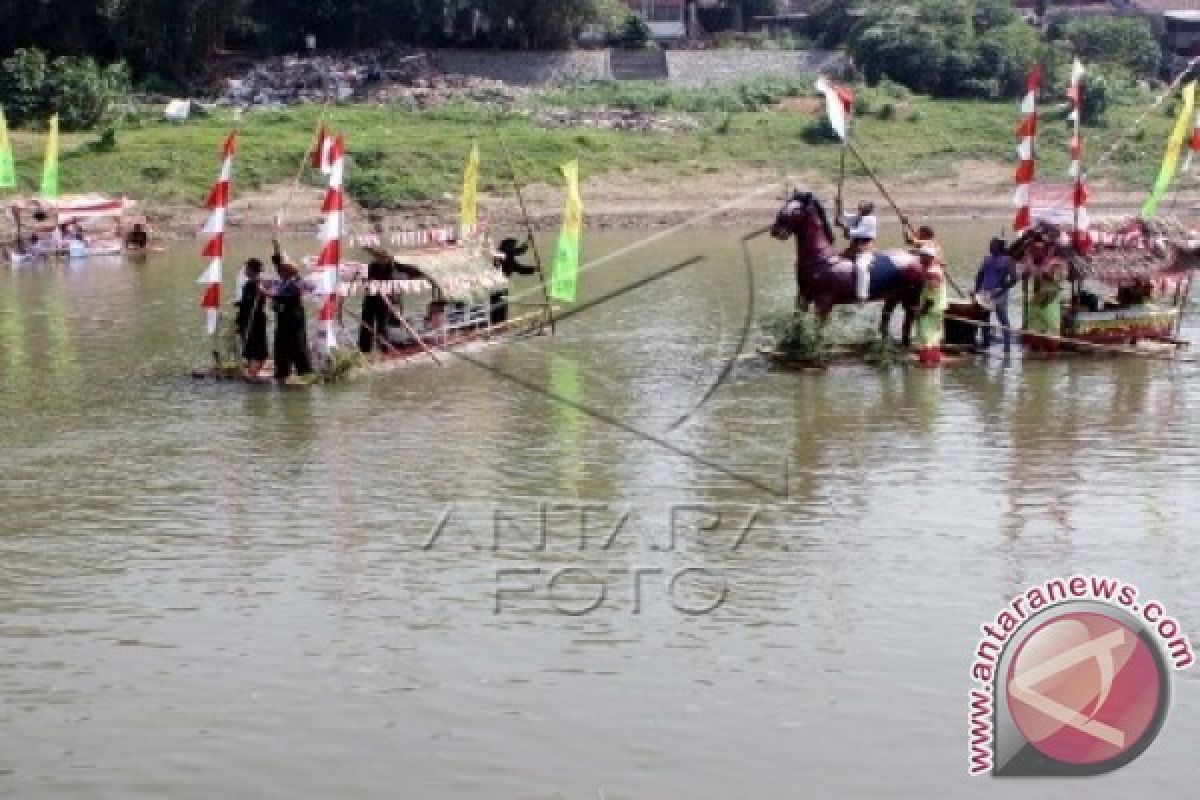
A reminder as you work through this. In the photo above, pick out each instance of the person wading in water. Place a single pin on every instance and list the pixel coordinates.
(931, 323)
(251, 320)
(291, 336)
(997, 275)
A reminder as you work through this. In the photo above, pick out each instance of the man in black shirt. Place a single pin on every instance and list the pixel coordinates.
(506, 261)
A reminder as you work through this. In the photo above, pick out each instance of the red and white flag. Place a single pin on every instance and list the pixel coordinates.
(321, 156)
(1075, 101)
(1081, 236)
(214, 247)
(325, 273)
(839, 105)
(1026, 135)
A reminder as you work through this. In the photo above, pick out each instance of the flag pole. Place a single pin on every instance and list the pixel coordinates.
(537, 257)
(879, 185)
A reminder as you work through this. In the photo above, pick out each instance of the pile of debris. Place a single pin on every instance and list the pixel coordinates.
(289, 80)
(616, 119)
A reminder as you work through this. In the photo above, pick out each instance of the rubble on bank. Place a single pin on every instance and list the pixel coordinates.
(616, 119)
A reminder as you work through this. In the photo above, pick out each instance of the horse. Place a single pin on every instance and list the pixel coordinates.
(826, 279)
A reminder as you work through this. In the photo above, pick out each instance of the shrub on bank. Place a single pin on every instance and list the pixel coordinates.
(79, 90)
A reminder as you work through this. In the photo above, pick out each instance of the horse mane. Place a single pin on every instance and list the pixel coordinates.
(810, 198)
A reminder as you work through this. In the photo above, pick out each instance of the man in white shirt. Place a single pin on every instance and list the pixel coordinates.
(862, 229)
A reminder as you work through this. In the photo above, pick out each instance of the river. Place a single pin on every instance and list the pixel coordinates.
(380, 588)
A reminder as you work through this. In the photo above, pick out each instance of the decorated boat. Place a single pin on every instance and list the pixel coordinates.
(445, 288)
(71, 227)
(1126, 281)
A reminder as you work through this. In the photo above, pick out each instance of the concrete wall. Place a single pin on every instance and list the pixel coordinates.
(526, 68)
(693, 68)
(689, 68)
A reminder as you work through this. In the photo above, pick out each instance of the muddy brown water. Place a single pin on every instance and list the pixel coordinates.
(225, 591)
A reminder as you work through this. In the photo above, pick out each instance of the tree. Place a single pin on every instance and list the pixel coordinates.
(174, 37)
(1125, 41)
(539, 24)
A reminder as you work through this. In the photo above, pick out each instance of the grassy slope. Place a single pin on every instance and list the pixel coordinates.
(402, 157)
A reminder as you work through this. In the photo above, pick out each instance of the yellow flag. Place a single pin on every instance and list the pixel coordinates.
(564, 279)
(50, 169)
(470, 194)
(1179, 136)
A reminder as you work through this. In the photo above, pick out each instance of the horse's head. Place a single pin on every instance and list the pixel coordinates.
(801, 215)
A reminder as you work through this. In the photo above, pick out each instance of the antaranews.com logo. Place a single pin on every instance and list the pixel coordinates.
(1073, 677)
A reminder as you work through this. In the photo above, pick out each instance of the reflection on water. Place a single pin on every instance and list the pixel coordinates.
(222, 590)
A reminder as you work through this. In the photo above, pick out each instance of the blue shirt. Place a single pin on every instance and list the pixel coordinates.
(996, 276)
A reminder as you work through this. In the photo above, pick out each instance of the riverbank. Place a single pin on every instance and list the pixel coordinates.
(738, 198)
(727, 153)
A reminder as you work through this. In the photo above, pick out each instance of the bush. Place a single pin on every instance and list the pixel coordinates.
(79, 90)
(1097, 98)
(1126, 41)
(819, 131)
(635, 32)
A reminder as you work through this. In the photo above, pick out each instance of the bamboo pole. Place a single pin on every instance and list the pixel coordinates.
(412, 331)
(908, 228)
(537, 257)
(363, 323)
(879, 185)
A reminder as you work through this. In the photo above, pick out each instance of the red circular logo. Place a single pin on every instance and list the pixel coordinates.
(1084, 688)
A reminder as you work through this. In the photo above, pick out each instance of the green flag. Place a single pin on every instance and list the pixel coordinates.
(8, 169)
(564, 279)
(50, 168)
(1174, 148)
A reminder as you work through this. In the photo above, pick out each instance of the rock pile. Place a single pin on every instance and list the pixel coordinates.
(616, 119)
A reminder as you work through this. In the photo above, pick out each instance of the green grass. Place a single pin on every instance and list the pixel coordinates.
(401, 158)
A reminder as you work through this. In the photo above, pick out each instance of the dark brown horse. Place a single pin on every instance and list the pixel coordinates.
(826, 279)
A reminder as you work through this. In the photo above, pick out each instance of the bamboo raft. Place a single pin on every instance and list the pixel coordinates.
(396, 357)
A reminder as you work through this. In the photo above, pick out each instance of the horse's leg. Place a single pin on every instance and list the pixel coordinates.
(910, 318)
(885, 325)
(801, 300)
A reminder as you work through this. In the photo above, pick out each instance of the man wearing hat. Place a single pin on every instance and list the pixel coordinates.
(931, 322)
(291, 336)
(997, 275)
(506, 261)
